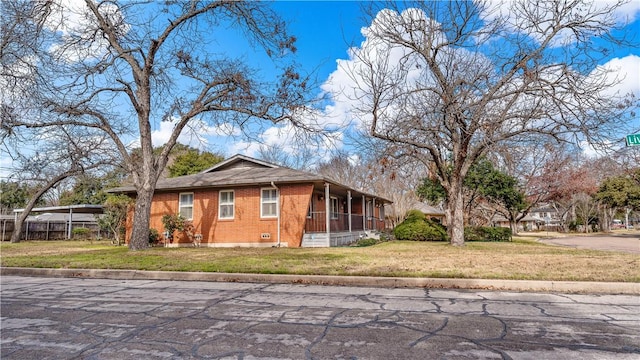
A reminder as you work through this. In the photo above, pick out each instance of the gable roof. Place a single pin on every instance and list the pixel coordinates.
(241, 170)
(239, 161)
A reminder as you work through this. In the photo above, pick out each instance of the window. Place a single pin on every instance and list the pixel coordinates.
(334, 208)
(269, 203)
(311, 206)
(185, 206)
(227, 201)
(369, 211)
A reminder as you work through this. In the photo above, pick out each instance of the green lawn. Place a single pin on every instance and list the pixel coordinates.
(521, 259)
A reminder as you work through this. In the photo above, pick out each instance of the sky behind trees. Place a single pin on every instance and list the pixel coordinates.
(325, 30)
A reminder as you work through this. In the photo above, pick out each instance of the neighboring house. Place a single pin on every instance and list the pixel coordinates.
(430, 211)
(550, 219)
(544, 217)
(247, 202)
(527, 223)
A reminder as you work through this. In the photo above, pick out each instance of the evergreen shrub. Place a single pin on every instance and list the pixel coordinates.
(417, 227)
(154, 236)
(486, 233)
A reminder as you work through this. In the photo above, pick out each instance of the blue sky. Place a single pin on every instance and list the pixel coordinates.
(325, 30)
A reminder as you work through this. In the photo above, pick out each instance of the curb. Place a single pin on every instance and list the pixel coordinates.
(588, 287)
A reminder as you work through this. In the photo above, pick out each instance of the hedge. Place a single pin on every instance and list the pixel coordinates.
(485, 233)
(417, 227)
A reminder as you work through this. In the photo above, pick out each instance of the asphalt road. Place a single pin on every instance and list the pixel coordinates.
(615, 242)
(71, 318)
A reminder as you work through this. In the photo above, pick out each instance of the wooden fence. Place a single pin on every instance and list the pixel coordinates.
(48, 230)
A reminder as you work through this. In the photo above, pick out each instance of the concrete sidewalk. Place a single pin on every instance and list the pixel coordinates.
(586, 287)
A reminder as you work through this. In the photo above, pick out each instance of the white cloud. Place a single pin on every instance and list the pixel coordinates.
(626, 70)
(287, 139)
(196, 134)
(80, 36)
(518, 13)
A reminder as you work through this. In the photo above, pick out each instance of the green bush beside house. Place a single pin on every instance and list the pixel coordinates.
(417, 227)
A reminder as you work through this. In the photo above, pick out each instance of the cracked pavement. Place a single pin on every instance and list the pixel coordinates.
(72, 318)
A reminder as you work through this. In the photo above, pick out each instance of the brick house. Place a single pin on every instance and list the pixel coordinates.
(251, 203)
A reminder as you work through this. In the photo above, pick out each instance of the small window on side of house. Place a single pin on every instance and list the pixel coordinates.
(185, 206)
(268, 203)
(227, 204)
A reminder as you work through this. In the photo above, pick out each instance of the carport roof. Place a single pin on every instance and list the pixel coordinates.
(78, 209)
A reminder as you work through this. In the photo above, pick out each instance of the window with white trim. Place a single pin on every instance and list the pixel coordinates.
(268, 203)
(227, 204)
(185, 206)
(311, 207)
(334, 208)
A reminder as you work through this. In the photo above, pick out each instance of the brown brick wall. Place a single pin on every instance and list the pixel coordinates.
(247, 225)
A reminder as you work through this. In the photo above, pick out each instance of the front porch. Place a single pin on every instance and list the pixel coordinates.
(341, 231)
(346, 218)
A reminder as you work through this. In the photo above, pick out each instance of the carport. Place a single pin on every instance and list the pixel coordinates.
(69, 209)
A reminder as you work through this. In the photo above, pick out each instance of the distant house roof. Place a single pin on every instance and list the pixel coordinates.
(241, 170)
(428, 209)
(527, 218)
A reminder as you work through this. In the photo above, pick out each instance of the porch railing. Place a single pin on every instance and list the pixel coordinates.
(317, 223)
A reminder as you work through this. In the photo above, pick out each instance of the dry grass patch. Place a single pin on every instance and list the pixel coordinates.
(516, 260)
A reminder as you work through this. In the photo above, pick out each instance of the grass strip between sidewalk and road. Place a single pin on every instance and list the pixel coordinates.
(517, 260)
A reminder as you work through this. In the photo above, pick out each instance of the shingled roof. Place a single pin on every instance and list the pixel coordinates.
(241, 170)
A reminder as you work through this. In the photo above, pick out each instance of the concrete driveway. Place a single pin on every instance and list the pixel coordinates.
(624, 242)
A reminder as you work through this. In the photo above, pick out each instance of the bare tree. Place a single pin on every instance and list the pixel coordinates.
(304, 157)
(397, 183)
(60, 154)
(445, 82)
(345, 168)
(123, 66)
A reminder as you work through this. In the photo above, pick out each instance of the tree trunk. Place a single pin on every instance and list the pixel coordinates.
(141, 215)
(17, 226)
(514, 227)
(455, 215)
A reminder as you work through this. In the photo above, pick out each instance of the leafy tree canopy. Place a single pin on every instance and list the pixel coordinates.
(483, 179)
(115, 214)
(621, 191)
(193, 161)
(90, 189)
(13, 195)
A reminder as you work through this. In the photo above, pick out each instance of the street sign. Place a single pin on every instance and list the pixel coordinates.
(633, 140)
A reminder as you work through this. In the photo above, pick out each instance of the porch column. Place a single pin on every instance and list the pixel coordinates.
(70, 223)
(327, 206)
(374, 221)
(349, 208)
(364, 213)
